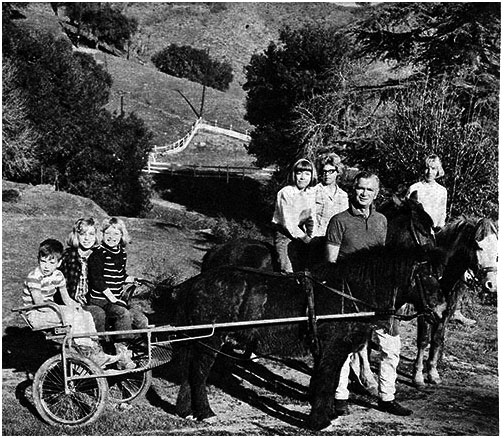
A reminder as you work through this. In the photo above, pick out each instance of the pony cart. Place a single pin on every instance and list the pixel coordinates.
(70, 389)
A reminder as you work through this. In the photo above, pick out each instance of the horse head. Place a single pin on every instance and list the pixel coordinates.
(409, 224)
(470, 250)
(485, 249)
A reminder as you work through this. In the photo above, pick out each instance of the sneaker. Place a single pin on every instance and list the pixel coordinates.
(458, 317)
(394, 408)
(124, 362)
(103, 359)
(340, 407)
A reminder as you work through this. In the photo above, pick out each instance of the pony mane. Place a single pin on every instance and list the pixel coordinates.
(467, 230)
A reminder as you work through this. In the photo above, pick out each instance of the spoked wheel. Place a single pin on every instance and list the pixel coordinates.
(84, 400)
(129, 387)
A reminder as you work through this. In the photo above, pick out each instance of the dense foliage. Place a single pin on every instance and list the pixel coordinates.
(74, 141)
(417, 78)
(103, 21)
(425, 120)
(301, 65)
(18, 135)
(458, 40)
(195, 65)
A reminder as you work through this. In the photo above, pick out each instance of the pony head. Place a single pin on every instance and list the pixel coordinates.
(486, 243)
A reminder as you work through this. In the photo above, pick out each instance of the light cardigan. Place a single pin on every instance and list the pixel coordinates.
(295, 211)
(328, 202)
(433, 197)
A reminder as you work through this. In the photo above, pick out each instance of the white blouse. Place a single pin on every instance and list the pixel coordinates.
(433, 196)
(295, 210)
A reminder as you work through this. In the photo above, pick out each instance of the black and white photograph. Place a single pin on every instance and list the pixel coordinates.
(250, 218)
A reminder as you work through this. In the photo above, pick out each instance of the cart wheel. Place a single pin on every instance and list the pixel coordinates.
(85, 399)
(129, 387)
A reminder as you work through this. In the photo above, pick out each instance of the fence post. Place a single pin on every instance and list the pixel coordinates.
(227, 174)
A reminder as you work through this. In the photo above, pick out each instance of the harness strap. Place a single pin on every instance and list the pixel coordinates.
(312, 317)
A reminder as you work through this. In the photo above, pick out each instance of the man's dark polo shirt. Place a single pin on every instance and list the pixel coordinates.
(353, 232)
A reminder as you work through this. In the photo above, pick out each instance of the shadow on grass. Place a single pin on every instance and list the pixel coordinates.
(267, 388)
(239, 199)
(25, 350)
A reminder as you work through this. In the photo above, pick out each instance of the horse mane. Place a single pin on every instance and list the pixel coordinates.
(374, 273)
(467, 230)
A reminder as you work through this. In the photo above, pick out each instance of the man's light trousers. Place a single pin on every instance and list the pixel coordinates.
(389, 347)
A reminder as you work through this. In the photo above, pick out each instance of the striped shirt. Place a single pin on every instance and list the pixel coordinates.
(106, 269)
(46, 285)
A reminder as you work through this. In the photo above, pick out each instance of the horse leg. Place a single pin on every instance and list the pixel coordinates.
(184, 402)
(423, 338)
(199, 371)
(323, 384)
(436, 350)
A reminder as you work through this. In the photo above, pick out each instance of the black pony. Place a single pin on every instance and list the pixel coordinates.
(379, 279)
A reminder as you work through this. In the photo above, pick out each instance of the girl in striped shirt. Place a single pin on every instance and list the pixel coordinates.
(107, 276)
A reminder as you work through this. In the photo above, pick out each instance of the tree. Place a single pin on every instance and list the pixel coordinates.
(195, 65)
(103, 21)
(92, 152)
(18, 135)
(300, 66)
(457, 40)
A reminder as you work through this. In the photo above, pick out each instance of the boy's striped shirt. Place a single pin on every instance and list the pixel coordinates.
(48, 286)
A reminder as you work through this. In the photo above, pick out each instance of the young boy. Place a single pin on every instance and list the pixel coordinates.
(42, 284)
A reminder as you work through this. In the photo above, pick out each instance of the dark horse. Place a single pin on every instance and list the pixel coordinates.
(379, 278)
(468, 246)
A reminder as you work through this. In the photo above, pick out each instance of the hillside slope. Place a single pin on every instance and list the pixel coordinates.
(230, 31)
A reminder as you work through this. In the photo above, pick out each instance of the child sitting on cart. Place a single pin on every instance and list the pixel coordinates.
(41, 285)
(107, 282)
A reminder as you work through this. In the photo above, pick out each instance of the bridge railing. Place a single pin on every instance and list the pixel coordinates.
(227, 172)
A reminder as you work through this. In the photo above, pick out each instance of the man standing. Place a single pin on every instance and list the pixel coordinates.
(360, 227)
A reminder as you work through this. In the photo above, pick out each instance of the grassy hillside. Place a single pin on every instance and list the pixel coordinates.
(230, 31)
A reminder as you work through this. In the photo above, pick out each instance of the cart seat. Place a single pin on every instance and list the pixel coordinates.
(53, 332)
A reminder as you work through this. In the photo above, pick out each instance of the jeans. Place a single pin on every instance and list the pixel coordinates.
(98, 316)
(292, 254)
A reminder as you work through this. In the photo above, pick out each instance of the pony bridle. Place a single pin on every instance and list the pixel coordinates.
(417, 281)
(416, 238)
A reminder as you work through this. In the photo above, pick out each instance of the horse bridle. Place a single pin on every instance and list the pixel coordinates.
(426, 310)
(416, 238)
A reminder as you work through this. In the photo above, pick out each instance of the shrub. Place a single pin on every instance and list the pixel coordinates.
(217, 7)
(18, 134)
(104, 22)
(427, 118)
(195, 65)
(10, 195)
(225, 230)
